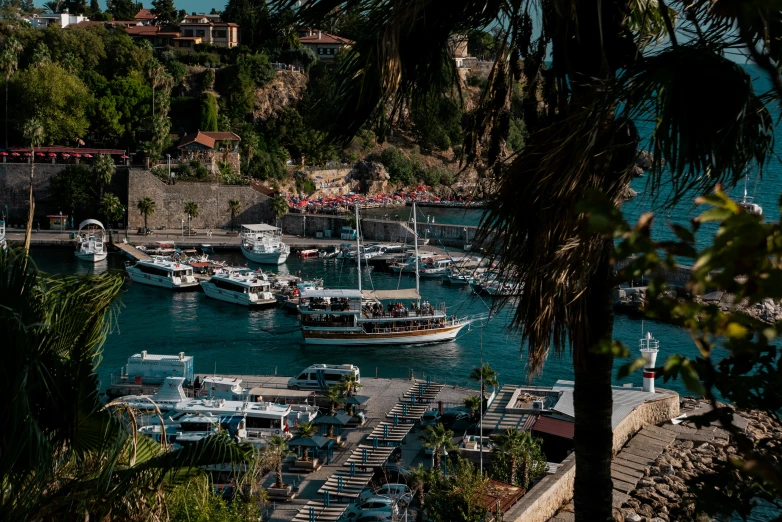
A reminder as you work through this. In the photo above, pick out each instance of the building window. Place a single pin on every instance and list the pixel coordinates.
(201, 33)
(321, 51)
(185, 43)
(219, 34)
(188, 32)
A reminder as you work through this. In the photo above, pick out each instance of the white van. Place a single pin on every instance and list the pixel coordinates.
(321, 376)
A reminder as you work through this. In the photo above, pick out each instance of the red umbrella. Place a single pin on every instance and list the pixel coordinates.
(88, 155)
(52, 155)
(40, 154)
(27, 154)
(124, 156)
(66, 155)
(3, 154)
(15, 154)
(76, 155)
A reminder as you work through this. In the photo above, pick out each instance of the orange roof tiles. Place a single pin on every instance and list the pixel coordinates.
(325, 38)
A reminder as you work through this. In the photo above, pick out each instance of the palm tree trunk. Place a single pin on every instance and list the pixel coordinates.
(145, 223)
(592, 401)
(29, 230)
(278, 483)
(420, 516)
(513, 469)
(6, 112)
(437, 457)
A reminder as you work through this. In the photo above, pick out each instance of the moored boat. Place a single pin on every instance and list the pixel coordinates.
(91, 237)
(243, 288)
(161, 272)
(263, 244)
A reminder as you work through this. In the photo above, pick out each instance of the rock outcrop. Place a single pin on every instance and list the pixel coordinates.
(285, 90)
(371, 176)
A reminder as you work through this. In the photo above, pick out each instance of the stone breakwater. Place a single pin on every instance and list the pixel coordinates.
(664, 493)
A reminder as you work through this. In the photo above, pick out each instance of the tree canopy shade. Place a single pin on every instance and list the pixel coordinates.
(610, 62)
(123, 9)
(59, 99)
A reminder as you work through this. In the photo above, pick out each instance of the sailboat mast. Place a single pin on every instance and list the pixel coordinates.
(415, 239)
(358, 249)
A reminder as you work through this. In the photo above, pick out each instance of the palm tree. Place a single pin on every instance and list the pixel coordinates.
(233, 207)
(279, 205)
(579, 110)
(9, 61)
(146, 208)
(34, 133)
(473, 402)
(334, 395)
(306, 430)
(112, 208)
(55, 6)
(69, 456)
(511, 444)
(419, 479)
(104, 169)
(437, 438)
(191, 209)
(486, 376)
(350, 385)
(523, 452)
(273, 454)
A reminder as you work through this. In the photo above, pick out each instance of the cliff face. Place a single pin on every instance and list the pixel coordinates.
(285, 90)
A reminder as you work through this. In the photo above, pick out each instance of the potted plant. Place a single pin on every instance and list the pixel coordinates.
(274, 453)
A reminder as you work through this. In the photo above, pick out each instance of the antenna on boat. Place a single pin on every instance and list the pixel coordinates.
(358, 249)
(415, 239)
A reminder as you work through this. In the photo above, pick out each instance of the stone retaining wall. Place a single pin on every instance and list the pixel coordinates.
(547, 496)
(212, 200)
(651, 412)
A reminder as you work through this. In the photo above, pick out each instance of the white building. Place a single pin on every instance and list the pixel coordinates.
(42, 21)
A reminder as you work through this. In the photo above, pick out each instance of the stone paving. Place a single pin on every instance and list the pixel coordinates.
(385, 395)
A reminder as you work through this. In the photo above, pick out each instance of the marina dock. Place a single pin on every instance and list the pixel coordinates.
(132, 252)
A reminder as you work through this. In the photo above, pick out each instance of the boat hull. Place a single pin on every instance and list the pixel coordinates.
(91, 257)
(436, 335)
(137, 276)
(266, 258)
(234, 297)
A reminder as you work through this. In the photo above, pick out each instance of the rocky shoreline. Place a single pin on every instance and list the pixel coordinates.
(664, 493)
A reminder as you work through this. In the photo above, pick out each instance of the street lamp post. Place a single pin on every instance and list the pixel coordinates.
(168, 158)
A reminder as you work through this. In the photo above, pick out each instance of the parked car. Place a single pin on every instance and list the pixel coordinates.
(397, 492)
(395, 468)
(450, 417)
(371, 504)
(430, 418)
(375, 516)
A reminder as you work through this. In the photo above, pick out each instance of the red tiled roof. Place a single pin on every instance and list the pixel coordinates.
(143, 30)
(222, 136)
(69, 150)
(144, 14)
(557, 427)
(325, 38)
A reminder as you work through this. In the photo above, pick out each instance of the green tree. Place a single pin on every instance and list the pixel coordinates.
(103, 169)
(333, 394)
(191, 209)
(526, 461)
(58, 99)
(95, 12)
(76, 7)
(419, 480)
(75, 189)
(55, 6)
(208, 113)
(279, 206)
(273, 454)
(146, 208)
(112, 208)
(437, 438)
(234, 205)
(123, 9)
(9, 61)
(165, 12)
(473, 402)
(458, 496)
(33, 131)
(485, 376)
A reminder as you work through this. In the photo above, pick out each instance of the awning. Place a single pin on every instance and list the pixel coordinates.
(90, 222)
(262, 227)
(315, 441)
(556, 427)
(339, 419)
(331, 293)
(383, 295)
(356, 399)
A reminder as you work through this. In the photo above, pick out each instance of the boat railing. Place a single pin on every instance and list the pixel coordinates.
(407, 313)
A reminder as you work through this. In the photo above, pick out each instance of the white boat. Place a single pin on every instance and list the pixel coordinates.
(436, 267)
(748, 204)
(408, 266)
(161, 272)
(456, 278)
(356, 317)
(243, 288)
(499, 288)
(91, 246)
(263, 244)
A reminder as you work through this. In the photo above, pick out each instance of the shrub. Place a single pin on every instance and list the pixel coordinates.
(399, 166)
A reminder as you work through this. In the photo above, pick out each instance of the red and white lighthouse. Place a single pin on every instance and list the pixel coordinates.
(649, 348)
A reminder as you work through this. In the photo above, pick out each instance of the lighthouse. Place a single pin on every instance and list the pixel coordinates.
(649, 348)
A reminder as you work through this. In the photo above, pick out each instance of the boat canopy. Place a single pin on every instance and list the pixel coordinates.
(90, 222)
(262, 227)
(309, 293)
(382, 295)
